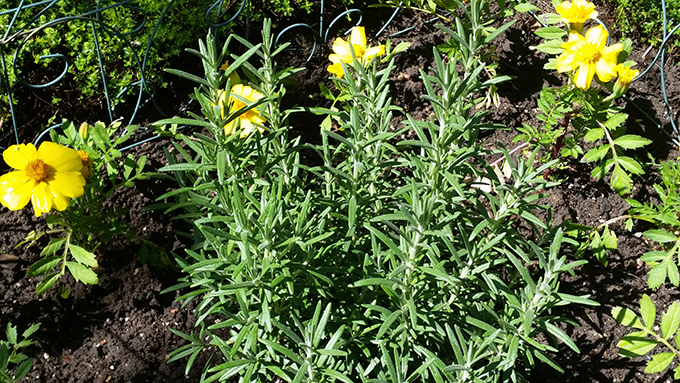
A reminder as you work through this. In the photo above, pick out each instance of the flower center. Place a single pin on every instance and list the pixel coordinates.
(579, 14)
(591, 54)
(359, 51)
(37, 170)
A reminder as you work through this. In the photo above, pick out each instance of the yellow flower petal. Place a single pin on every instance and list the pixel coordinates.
(358, 37)
(565, 62)
(341, 48)
(69, 184)
(374, 51)
(18, 156)
(15, 190)
(611, 53)
(605, 70)
(60, 202)
(59, 157)
(597, 36)
(246, 128)
(336, 69)
(584, 76)
(41, 198)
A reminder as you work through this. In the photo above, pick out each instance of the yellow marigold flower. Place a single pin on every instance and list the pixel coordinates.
(589, 55)
(343, 51)
(85, 159)
(576, 12)
(626, 75)
(246, 121)
(48, 177)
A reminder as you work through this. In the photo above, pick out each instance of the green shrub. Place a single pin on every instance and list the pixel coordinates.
(123, 36)
(646, 23)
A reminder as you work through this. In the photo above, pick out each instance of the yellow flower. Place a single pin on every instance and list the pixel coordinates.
(589, 55)
(626, 76)
(576, 12)
(246, 121)
(343, 51)
(48, 177)
(85, 159)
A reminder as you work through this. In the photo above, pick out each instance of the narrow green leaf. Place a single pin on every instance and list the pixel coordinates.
(23, 368)
(562, 336)
(670, 321)
(29, 331)
(551, 33)
(188, 76)
(4, 355)
(43, 266)
(631, 141)
(336, 375)
(526, 7)
(654, 256)
(660, 236)
(659, 362)
(647, 311)
(375, 282)
(184, 121)
(673, 275)
(387, 323)
(352, 213)
(46, 283)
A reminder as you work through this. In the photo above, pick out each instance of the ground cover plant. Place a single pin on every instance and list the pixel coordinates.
(337, 233)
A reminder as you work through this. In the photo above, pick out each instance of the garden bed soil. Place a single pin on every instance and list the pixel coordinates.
(117, 331)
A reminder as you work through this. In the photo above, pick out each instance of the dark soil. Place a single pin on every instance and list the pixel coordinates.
(117, 331)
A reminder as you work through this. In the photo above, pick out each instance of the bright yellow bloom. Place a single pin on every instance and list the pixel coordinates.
(48, 177)
(343, 51)
(246, 121)
(589, 55)
(85, 159)
(626, 76)
(576, 12)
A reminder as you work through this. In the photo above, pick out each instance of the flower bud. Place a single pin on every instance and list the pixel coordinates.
(86, 170)
(84, 131)
(626, 75)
